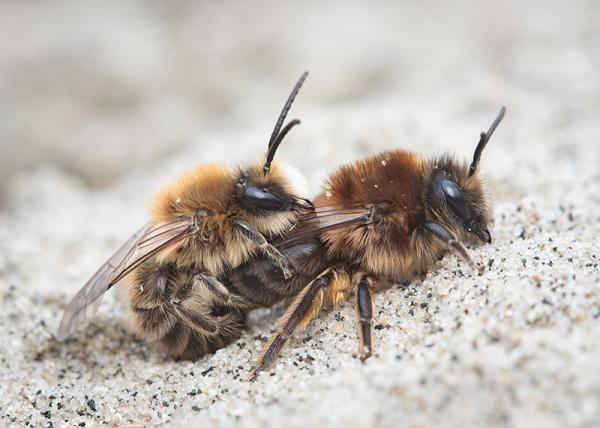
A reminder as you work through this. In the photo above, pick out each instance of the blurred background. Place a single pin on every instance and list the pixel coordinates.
(100, 90)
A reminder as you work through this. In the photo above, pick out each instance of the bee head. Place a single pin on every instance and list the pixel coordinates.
(269, 187)
(458, 201)
(455, 192)
(281, 190)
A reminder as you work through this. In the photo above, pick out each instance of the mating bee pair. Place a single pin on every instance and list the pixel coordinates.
(224, 241)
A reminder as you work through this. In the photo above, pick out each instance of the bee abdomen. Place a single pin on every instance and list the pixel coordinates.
(173, 310)
(256, 282)
(261, 281)
(176, 340)
(153, 324)
(199, 345)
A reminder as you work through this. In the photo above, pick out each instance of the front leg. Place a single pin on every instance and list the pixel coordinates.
(449, 239)
(263, 245)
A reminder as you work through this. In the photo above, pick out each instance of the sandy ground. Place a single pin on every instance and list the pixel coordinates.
(102, 105)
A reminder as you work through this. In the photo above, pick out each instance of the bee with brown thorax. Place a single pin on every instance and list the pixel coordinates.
(403, 213)
(207, 222)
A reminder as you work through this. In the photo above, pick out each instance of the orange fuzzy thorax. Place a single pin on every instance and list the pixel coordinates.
(384, 248)
(395, 176)
(208, 186)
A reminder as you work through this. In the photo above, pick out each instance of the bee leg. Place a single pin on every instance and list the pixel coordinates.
(444, 234)
(301, 311)
(220, 293)
(206, 332)
(214, 285)
(364, 312)
(231, 326)
(269, 250)
(196, 315)
(204, 304)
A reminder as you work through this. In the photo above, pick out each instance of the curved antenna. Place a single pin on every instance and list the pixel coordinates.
(278, 134)
(483, 140)
(286, 108)
(273, 147)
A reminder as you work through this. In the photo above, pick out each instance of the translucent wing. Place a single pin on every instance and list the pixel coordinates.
(321, 220)
(144, 244)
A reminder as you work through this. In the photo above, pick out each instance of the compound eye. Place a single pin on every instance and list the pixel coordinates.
(263, 198)
(455, 199)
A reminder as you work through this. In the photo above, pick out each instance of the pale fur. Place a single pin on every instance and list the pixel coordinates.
(216, 254)
(213, 248)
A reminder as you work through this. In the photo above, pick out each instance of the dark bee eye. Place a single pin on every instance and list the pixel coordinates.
(262, 198)
(455, 199)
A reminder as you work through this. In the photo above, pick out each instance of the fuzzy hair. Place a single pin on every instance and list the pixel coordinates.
(396, 247)
(217, 246)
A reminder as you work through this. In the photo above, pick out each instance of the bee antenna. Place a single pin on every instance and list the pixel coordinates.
(273, 147)
(278, 134)
(483, 140)
(286, 108)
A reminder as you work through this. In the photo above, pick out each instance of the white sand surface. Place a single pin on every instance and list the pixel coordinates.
(101, 104)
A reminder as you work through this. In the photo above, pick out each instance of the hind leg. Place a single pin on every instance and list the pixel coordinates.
(187, 315)
(330, 287)
(151, 313)
(215, 318)
(198, 344)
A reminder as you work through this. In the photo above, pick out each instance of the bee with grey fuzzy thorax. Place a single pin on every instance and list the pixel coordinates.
(209, 221)
(395, 214)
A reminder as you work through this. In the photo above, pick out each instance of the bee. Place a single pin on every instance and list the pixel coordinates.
(380, 220)
(209, 221)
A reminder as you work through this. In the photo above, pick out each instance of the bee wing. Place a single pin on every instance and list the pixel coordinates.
(145, 243)
(321, 220)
